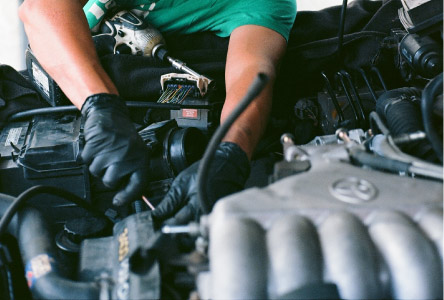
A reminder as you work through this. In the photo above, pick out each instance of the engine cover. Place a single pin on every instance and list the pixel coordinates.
(373, 234)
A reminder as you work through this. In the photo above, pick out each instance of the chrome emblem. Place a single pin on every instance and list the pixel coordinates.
(353, 190)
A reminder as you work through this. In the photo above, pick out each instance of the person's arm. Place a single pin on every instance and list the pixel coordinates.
(60, 38)
(252, 50)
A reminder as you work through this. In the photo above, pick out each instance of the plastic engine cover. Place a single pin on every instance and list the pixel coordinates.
(374, 235)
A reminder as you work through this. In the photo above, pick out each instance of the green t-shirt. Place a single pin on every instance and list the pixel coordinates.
(190, 16)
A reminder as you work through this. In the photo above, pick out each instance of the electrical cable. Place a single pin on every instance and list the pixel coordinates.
(42, 111)
(37, 190)
(430, 92)
(369, 86)
(341, 28)
(332, 94)
(255, 89)
(379, 75)
(130, 104)
(377, 123)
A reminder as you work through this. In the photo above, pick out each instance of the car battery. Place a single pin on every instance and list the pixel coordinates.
(44, 151)
(47, 87)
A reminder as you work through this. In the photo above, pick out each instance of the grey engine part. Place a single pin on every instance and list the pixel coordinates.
(373, 234)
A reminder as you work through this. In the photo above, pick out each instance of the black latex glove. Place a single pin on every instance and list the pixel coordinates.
(113, 149)
(229, 170)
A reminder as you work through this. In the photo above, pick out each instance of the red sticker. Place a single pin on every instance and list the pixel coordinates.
(189, 113)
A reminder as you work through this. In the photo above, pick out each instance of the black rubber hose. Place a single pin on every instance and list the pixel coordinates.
(255, 89)
(373, 161)
(42, 111)
(341, 28)
(37, 190)
(71, 109)
(429, 94)
(39, 256)
(400, 110)
(5, 202)
(377, 125)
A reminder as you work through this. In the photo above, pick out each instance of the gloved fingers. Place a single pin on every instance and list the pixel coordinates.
(95, 142)
(190, 212)
(116, 172)
(98, 165)
(87, 154)
(173, 201)
(132, 190)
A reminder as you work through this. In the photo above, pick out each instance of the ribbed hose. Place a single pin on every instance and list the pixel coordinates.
(402, 115)
(38, 253)
(431, 91)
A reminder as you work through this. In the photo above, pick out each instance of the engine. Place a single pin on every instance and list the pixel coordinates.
(354, 212)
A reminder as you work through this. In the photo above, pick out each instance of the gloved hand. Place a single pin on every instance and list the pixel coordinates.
(229, 170)
(113, 149)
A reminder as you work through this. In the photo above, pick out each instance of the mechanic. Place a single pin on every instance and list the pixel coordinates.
(258, 30)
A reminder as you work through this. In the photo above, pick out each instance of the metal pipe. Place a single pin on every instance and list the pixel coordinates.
(238, 260)
(431, 221)
(350, 257)
(348, 96)
(414, 263)
(333, 98)
(369, 86)
(295, 254)
(376, 70)
(355, 93)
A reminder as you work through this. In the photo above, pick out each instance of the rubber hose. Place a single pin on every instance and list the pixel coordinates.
(364, 158)
(72, 109)
(39, 257)
(5, 203)
(402, 115)
(254, 90)
(431, 91)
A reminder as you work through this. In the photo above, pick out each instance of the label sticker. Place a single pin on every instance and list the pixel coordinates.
(37, 267)
(189, 113)
(13, 136)
(40, 78)
(123, 244)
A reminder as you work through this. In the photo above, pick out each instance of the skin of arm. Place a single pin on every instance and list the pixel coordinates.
(252, 49)
(60, 38)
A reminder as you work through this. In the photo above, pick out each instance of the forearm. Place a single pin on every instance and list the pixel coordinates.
(59, 36)
(252, 50)
(250, 126)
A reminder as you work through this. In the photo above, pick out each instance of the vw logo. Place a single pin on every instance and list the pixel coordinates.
(353, 190)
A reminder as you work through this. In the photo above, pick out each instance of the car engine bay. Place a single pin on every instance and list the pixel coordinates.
(352, 208)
